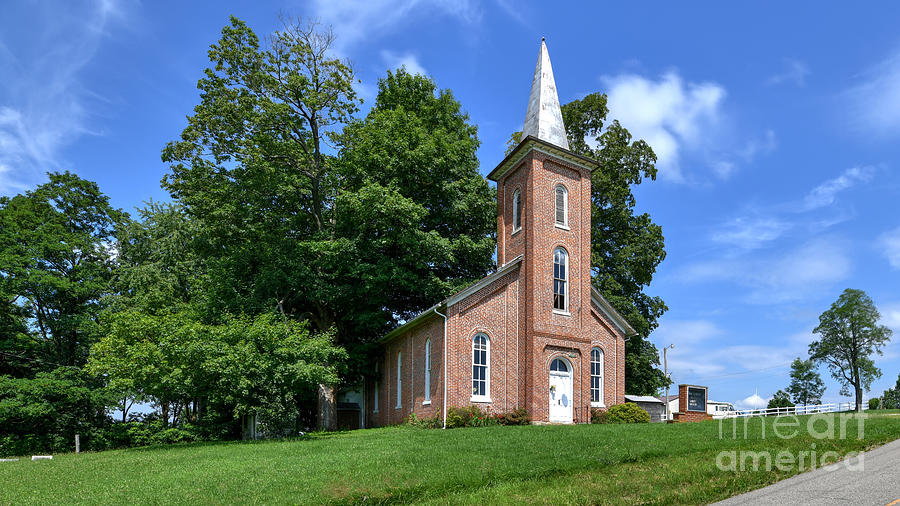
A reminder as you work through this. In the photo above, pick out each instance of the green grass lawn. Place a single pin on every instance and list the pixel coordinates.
(534, 464)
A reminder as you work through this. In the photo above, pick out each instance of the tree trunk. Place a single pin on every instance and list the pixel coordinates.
(327, 408)
(164, 411)
(859, 393)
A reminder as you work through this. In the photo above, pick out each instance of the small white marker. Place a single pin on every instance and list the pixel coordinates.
(42, 457)
(9, 460)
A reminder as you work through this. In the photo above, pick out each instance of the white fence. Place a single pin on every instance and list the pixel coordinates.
(794, 410)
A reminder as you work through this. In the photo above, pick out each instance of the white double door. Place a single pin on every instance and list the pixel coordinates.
(561, 396)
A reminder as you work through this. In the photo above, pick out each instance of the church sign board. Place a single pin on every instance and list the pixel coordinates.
(696, 399)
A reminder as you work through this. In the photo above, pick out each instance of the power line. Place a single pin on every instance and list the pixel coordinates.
(745, 372)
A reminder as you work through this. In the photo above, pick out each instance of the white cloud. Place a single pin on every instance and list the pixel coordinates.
(824, 194)
(794, 72)
(890, 246)
(750, 232)
(703, 353)
(356, 21)
(43, 103)
(668, 113)
(395, 61)
(875, 102)
(783, 276)
(753, 402)
(890, 316)
(759, 227)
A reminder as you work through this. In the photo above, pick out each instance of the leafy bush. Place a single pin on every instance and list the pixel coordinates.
(43, 414)
(621, 413)
(518, 416)
(469, 416)
(434, 422)
(874, 403)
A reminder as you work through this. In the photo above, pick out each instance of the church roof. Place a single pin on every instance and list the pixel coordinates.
(453, 299)
(610, 312)
(543, 119)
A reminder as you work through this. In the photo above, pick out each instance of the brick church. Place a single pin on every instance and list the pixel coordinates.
(533, 334)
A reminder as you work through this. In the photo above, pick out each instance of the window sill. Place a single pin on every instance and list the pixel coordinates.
(561, 313)
(516, 231)
(398, 407)
(426, 403)
(598, 405)
(480, 398)
(564, 227)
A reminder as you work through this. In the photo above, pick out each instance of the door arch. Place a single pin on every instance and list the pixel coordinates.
(560, 394)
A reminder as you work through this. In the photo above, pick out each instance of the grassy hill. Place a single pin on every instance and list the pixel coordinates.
(534, 464)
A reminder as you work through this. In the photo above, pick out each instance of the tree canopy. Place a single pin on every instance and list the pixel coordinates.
(849, 335)
(350, 224)
(57, 256)
(806, 385)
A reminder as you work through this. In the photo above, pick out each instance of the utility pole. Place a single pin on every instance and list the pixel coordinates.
(666, 373)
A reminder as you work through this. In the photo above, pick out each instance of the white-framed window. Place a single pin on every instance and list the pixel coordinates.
(596, 377)
(428, 371)
(399, 378)
(559, 365)
(481, 368)
(377, 387)
(517, 211)
(562, 206)
(560, 280)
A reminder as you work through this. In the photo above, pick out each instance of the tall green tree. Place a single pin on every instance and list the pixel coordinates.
(413, 160)
(57, 258)
(354, 230)
(806, 385)
(849, 335)
(252, 167)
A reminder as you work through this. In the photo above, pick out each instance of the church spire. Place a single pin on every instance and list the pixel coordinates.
(544, 116)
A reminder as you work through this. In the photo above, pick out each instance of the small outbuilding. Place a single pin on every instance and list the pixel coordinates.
(653, 406)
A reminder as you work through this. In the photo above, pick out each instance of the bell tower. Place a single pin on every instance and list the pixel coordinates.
(544, 215)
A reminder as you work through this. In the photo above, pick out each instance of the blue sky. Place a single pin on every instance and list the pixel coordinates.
(776, 126)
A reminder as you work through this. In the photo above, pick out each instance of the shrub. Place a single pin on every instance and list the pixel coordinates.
(469, 416)
(621, 413)
(518, 416)
(598, 415)
(434, 422)
(874, 403)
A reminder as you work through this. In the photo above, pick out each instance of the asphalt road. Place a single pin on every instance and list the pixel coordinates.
(878, 482)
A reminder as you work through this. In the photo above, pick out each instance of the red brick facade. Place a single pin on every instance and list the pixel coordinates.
(514, 309)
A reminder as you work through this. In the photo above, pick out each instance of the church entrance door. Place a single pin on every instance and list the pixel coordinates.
(560, 391)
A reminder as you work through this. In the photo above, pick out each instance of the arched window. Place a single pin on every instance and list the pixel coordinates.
(428, 370)
(597, 376)
(377, 387)
(517, 211)
(559, 365)
(481, 369)
(562, 205)
(560, 276)
(399, 377)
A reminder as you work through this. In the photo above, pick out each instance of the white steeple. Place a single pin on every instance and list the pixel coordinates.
(544, 117)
